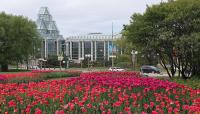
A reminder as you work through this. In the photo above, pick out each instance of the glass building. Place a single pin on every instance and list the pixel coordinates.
(98, 46)
(52, 41)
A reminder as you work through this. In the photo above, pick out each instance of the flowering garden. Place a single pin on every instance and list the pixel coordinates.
(101, 93)
(37, 75)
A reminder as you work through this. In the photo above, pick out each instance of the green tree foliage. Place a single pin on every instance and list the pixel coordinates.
(53, 61)
(170, 30)
(124, 61)
(126, 46)
(124, 56)
(18, 39)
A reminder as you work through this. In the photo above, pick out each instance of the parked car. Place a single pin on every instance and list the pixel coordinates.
(34, 67)
(116, 69)
(147, 69)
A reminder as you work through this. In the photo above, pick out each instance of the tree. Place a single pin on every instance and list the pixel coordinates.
(53, 61)
(126, 57)
(123, 44)
(168, 30)
(18, 39)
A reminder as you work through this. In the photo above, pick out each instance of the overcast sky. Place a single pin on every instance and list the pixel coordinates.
(75, 17)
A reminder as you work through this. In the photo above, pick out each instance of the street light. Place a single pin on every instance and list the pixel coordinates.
(112, 56)
(41, 61)
(81, 61)
(60, 58)
(68, 60)
(134, 53)
(64, 62)
(44, 63)
(112, 47)
(88, 57)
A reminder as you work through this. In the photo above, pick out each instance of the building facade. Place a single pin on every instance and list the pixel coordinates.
(95, 46)
(52, 41)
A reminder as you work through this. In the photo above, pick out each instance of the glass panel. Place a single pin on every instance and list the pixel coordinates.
(52, 45)
(74, 50)
(87, 48)
(100, 50)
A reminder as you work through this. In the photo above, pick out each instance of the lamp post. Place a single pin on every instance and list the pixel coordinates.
(68, 60)
(134, 53)
(112, 56)
(81, 61)
(60, 58)
(112, 47)
(44, 60)
(64, 62)
(88, 57)
(65, 58)
(41, 62)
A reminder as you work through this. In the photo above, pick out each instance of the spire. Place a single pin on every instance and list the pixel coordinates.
(52, 26)
(41, 25)
(44, 10)
(46, 23)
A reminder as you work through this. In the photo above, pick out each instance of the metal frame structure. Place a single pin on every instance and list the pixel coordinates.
(52, 41)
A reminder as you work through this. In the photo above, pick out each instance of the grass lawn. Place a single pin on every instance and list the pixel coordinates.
(193, 82)
(10, 71)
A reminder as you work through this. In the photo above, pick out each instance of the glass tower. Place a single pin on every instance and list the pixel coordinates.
(52, 41)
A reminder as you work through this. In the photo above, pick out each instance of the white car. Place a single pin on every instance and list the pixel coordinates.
(116, 69)
(34, 67)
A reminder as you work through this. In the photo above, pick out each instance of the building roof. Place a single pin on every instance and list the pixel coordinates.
(46, 23)
(94, 37)
(44, 10)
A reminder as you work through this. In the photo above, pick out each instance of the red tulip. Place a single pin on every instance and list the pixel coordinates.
(146, 106)
(154, 112)
(109, 111)
(28, 110)
(144, 112)
(151, 104)
(11, 103)
(84, 110)
(170, 109)
(89, 105)
(104, 112)
(38, 111)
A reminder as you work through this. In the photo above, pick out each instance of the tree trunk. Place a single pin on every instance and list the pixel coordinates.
(179, 72)
(179, 68)
(183, 75)
(162, 62)
(4, 67)
(17, 65)
(27, 64)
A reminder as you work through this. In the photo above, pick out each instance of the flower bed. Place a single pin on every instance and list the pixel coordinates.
(106, 93)
(37, 75)
(50, 71)
(116, 74)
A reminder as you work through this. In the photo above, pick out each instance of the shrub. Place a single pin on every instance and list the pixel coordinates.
(193, 82)
(59, 75)
(124, 64)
